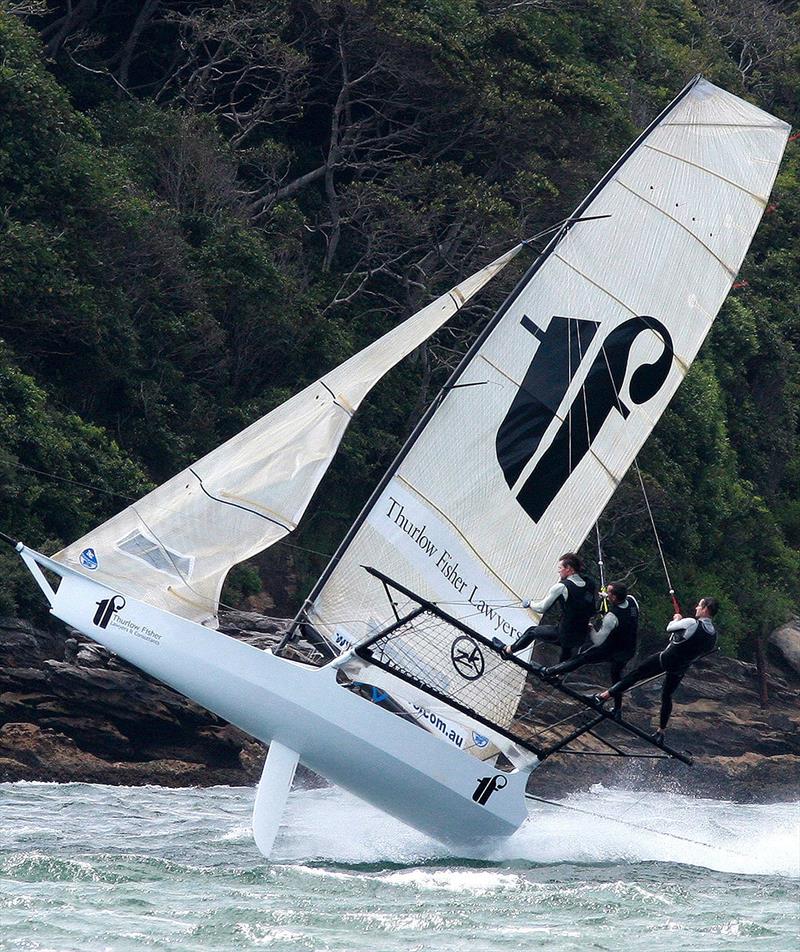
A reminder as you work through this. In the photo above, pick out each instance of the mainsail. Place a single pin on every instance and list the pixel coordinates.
(175, 546)
(514, 463)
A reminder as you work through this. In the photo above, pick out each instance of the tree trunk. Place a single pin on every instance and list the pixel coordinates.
(761, 670)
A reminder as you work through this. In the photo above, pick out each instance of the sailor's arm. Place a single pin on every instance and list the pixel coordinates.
(609, 623)
(679, 629)
(559, 590)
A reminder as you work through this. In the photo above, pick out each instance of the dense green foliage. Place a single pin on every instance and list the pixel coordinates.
(205, 207)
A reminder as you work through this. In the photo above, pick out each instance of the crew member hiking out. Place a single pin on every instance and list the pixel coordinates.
(689, 639)
(614, 641)
(577, 593)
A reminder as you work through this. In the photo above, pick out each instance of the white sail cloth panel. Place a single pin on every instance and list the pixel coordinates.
(175, 546)
(513, 471)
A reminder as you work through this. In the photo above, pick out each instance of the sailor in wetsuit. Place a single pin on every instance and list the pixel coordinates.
(689, 638)
(614, 641)
(577, 595)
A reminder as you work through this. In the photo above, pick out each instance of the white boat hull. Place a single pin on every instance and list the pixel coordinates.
(391, 763)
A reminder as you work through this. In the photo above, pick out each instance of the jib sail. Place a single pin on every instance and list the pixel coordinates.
(175, 546)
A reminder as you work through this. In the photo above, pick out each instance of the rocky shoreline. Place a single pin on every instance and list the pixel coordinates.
(70, 711)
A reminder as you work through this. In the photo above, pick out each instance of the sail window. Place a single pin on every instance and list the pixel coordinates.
(139, 546)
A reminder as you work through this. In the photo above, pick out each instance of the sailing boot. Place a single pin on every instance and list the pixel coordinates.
(551, 674)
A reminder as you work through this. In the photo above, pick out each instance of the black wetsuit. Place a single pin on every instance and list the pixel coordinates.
(578, 604)
(619, 646)
(675, 660)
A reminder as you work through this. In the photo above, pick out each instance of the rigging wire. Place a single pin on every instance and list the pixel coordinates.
(635, 826)
(672, 595)
(600, 563)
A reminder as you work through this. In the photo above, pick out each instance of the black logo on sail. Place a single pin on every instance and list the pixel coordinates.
(106, 609)
(486, 787)
(549, 375)
(467, 658)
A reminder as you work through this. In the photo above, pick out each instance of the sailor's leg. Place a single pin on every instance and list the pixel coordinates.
(592, 655)
(571, 643)
(617, 666)
(671, 682)
(647, 669)
(548, 633)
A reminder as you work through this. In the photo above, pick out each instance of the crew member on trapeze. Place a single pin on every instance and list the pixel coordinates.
(689, 639)
(614, 641)
(577, 593)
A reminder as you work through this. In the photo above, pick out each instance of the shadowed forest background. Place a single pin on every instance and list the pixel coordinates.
(203, 207)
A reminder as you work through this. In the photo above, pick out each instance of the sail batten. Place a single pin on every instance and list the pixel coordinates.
(700, 168)
(731, 271)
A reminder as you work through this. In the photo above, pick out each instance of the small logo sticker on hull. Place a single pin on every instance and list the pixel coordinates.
(88, 559)
(106, 609)
(486, 787)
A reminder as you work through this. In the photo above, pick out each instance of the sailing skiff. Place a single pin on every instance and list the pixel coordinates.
(410, 706)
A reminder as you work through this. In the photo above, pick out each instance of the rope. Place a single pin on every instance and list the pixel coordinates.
(672, 595)
(675, 603)
(634, 826)
(600, 563)
(72, 482)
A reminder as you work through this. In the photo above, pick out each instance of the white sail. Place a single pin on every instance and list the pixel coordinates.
(552, 404)
(175, 546)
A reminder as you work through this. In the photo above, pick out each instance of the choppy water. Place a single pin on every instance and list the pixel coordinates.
(86, 868)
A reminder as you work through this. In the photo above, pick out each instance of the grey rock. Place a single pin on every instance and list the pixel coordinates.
(786, 641)
(92, 656)
(234, 622)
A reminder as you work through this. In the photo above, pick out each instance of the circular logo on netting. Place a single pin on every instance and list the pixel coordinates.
(467, 658)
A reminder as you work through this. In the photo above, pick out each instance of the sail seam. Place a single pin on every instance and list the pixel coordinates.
(728, 125)
(236, 505)
(499, 370)
(613, 297)
(716, 257)
(679, 158)
(335, 399)
(594, 283)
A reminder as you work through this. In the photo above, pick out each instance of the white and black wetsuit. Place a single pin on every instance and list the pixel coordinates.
(614, 642)
(689, 638)
(577, 596)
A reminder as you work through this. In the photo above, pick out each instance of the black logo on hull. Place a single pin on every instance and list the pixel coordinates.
(552, 369)
(106, 609)
(467, 658)
(486, 787)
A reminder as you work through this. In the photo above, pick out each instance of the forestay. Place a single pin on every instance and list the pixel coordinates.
(541, 421)
(174, 547)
